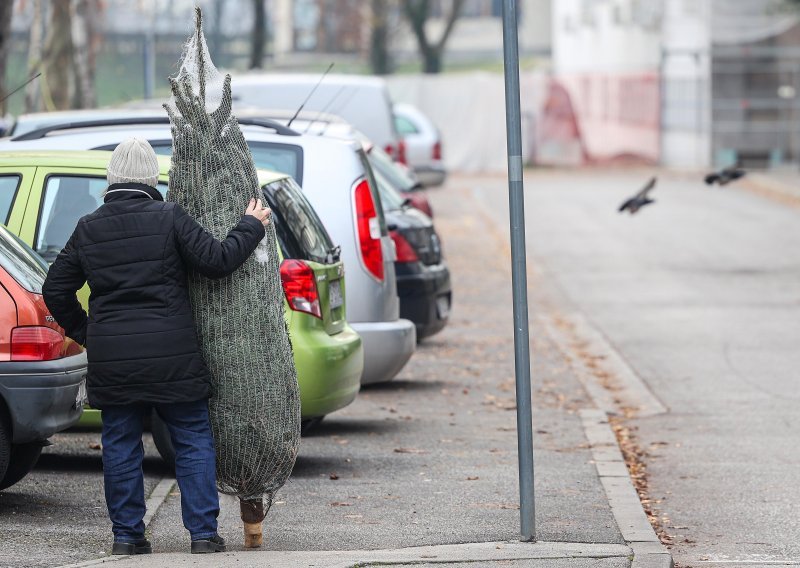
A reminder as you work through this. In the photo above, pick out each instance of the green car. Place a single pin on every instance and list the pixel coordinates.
(43, 194)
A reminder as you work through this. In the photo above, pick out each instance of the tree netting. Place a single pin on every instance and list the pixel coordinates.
(255, 404)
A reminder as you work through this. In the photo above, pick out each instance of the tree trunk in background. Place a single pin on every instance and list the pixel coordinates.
(82, 56)
(33, 92)
(6, 8)
(259, 37)
(57, 58)
(417, 13)
(379, 58)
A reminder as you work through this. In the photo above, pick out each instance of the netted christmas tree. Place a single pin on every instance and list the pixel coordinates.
(255, 403)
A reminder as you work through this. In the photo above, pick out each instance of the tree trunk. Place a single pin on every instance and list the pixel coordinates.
(57, 60)
(81, 46)
(417, 13)
(33, 92)
(5, 46)
(379, 58)
(432, 61)
(259, 37)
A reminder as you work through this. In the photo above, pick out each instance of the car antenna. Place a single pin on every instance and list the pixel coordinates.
(21, 86)
(325, 108)
(289, 124)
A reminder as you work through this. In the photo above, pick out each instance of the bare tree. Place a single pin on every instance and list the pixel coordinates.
(33, 92)
(5, 44)
(259, 37)
(57, 57)
(417, 12)
(83, 60)
(379, 58)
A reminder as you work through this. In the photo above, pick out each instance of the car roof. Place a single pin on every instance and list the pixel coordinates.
(94, 159)
(106, 135)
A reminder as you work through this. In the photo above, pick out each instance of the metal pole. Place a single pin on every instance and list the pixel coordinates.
(519, 277)
(149, 64)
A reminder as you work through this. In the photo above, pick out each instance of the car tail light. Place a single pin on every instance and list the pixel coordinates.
(405, 252)
(300, 287)
(420, 201)
(390, 150)
(369, 230)
(437, 151)
(401, 152)
(36, 343)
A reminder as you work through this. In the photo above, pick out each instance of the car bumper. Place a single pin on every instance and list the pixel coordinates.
(387, 348)
(425, 296)
(430, 175)
(329, 369)
(42, 396)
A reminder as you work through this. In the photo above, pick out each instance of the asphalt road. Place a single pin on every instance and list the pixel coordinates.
(700, 294)
(429, 458)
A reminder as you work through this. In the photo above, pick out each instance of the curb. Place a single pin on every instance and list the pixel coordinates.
(472, 554)
(157, 497)
(648, 552)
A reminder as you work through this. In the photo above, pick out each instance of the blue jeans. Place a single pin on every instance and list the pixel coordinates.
(194, 467)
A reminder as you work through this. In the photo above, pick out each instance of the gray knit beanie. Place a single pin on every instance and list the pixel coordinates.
(133, 161)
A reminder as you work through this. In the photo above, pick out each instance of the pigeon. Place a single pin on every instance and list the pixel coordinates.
(639, 200)
(725, 176)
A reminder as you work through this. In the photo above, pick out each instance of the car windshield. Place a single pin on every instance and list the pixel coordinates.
(301, 234)
(21, 263)
(383, 164)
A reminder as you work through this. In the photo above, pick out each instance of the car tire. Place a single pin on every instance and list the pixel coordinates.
(5, 445)
(23, 458)
(310, 424)
(162, 440)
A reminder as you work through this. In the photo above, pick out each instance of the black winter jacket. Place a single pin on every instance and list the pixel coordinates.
(134, 251)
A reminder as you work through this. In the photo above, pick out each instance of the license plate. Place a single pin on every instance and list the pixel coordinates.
(81, 398)
(335, 293)
(443, 306)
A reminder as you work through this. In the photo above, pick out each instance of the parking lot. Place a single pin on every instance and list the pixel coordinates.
(429, 458)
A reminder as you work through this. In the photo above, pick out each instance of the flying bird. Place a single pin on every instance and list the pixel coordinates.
(633, 204)
(725, 176)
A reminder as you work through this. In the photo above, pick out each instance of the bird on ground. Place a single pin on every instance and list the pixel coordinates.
(725, 175)
(633, 204)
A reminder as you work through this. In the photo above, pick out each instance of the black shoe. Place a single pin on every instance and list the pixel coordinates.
(129, 548)
(214, 544)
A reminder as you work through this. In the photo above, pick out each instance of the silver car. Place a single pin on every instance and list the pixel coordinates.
(336, 177)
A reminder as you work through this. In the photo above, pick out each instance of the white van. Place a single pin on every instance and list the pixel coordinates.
(362, 101)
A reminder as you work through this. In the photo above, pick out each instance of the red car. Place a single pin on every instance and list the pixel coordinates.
(42, 372)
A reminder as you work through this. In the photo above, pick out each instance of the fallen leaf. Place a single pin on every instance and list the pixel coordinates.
(473, 478)
(95, 446)
(333, 476)
(409, 451)
(341, 504)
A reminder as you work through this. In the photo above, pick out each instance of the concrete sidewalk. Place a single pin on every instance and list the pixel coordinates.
(423, 471)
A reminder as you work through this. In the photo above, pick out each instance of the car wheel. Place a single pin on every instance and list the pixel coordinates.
(307, 426)
(162, 440)
(23, 458)
(5, 445)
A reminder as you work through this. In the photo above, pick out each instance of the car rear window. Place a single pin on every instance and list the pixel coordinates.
(21, 263)
(383, 163)
(283, 158)
(8, 190)
(301, 234)
(67, 199)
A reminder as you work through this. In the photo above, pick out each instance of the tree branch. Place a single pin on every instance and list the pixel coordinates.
(451, 22)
